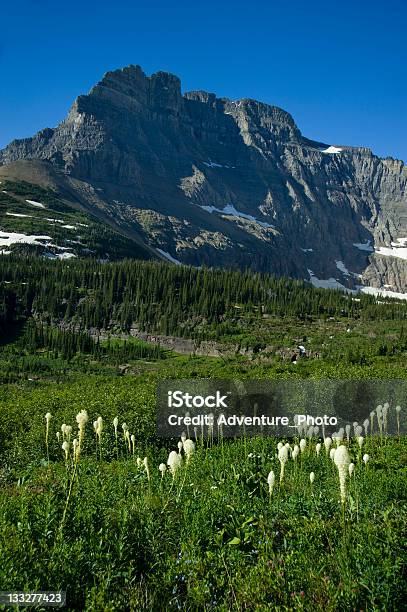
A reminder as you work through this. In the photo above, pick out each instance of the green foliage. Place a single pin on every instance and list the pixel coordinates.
(69, 228)
(212, 538)
(67, 343)
(170, 299)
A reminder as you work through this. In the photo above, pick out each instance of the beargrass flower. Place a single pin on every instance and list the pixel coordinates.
(180, 445)
(372, 421)
(379, 414)
(146, 467)
(365, 458)
(127, 439)
(303, 444)
(81, 418)
(99, 427)
(398, 410)
(332, 453)
(174, 462)
(283, 458)
(116, 425)
(65, 448)
(385, 413)
(295, 452)
(358, 431)
(271, 478)
(351, 468)
(58, 435)
(312, 477)
(360, 441)
(189, 448)
(366, 426)
(162, 468)
(279, 445)
(76, 449)
(48, 418)
(342, 461)
(318, 449)
(133, 442)
(139, 462)
(327, 444)
(347, 430)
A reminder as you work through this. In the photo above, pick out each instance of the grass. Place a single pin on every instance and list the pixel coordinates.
(212, 538)
(77, 232)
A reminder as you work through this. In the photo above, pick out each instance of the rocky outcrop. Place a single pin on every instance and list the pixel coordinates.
(210, 181)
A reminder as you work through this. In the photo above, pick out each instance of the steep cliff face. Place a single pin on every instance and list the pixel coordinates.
(212, 181)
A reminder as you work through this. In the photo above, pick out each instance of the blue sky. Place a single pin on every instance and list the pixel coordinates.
(338, 67)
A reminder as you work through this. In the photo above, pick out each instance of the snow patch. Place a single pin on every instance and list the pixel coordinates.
(212, 164)
(306, 250)
(66, 255)
(330, 283)
(18, 215)
(342, 268)
(382, 292)
(59, 255)
(69, 226)
(169, 257)
(364, 246)
(36, 204)
(7, 239)
(331, 149)
(230, 210)
(398, 251)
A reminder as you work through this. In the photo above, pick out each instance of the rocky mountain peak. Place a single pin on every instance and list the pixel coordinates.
(212, 181)
(131, 84)
(201, 96)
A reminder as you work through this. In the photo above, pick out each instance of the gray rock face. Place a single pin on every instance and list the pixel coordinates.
(211, 181)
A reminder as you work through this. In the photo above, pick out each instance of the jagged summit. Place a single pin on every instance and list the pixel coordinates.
(212, 181)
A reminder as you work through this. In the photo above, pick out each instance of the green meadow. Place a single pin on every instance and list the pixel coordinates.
(93, 503)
